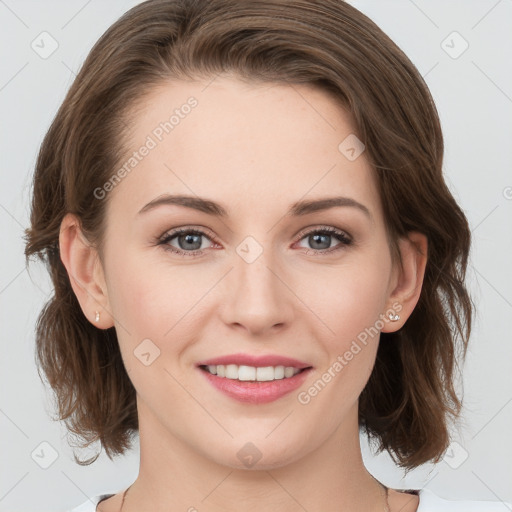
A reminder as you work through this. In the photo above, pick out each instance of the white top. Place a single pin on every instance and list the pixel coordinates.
(428, 502)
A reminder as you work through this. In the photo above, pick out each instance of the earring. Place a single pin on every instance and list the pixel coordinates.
(97, 317)
(393, 318)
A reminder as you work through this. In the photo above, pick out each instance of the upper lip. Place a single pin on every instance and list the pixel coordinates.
(253, 360)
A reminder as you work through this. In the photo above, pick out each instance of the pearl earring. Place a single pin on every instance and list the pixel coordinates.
(393, 318)
(97, 317)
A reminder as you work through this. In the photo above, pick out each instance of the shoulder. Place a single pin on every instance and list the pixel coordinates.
(91, 504)
(428, 502)
(431, 502)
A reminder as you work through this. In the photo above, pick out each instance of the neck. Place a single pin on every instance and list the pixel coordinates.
(331, 477)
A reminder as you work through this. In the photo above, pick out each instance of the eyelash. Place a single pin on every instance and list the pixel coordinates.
(342, 237)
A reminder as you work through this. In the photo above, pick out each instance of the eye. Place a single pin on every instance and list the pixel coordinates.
(189, 241)
(320, 240)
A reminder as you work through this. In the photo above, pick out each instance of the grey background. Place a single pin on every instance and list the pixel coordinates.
(473, 93)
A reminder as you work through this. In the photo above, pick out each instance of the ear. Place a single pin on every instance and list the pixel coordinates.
(407, 279)
(85, 272)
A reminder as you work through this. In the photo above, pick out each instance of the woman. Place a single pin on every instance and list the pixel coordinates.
(298, 151)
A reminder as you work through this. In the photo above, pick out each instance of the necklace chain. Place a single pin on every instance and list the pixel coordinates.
(124, 496)
(386, 495)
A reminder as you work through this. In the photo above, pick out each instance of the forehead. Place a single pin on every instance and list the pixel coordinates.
(251, 146)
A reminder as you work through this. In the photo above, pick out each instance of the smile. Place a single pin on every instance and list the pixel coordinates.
(255, 385)
(252, 373)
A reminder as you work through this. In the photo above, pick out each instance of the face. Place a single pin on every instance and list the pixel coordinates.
(262, 279)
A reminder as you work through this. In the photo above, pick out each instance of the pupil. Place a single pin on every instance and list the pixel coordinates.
(316, 237)
(188, 238)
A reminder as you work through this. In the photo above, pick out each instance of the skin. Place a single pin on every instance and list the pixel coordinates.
(256, 149)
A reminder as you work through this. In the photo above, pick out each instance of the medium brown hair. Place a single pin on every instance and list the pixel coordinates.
(325, 43)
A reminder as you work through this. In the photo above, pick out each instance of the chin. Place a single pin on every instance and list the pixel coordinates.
(259, 453)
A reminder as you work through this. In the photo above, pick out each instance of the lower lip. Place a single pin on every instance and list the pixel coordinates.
(256, 392)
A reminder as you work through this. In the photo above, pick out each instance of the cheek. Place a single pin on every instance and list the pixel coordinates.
(351, 310)
(351, 297)
(135, 299)
(150, 311)
(155, 300)
(359, 299)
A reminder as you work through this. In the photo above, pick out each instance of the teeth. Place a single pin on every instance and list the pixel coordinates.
(246, 373)
(252, 373)
(231, 371)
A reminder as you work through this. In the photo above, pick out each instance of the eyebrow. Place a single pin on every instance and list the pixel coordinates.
(297, 209)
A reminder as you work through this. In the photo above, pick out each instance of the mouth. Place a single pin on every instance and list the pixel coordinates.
(254, 378)
(254, 384)
(244, 373)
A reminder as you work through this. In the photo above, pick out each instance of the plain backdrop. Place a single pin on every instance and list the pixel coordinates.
(462, 48)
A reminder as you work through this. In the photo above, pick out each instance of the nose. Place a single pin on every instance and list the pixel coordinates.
(255, 295)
